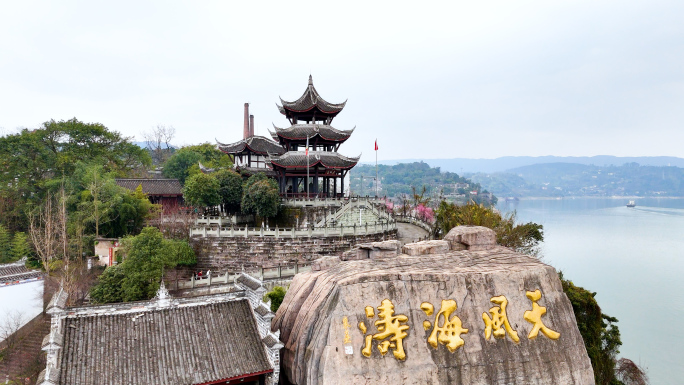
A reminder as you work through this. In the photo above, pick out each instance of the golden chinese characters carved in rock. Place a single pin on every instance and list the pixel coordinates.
(534, 317)
(389, 326)
(449, 333)
(345, 324)
(499, 318)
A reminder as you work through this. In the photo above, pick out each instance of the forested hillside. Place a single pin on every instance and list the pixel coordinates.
(567, 179)
(401, 179)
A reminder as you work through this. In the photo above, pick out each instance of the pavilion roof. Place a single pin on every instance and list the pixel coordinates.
(327, 159)
(16, 271)
(310, 99)
(257, 144)
(303, 131)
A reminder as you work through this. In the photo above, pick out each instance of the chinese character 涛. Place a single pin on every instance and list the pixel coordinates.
(498, 319)
(449, 333)
(389, 326)
(534, 317)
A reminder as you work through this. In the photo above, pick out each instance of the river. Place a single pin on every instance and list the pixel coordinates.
(633, 259)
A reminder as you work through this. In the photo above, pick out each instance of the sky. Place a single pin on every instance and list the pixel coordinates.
(450, 79)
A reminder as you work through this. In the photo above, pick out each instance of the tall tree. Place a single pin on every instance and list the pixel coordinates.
(147, 256)
(202, 190)
(230, 189)
(158, 142)
(260, 196)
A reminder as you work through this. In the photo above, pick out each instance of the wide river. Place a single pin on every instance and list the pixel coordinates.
(633, 258)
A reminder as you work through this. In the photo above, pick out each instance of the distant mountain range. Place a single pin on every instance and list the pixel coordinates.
(463, 165)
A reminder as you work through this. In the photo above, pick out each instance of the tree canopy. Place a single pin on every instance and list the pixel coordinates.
(138, 277)
(202, 190)
(35, 161)
(260, 196)
(230, 189)
(184, 162)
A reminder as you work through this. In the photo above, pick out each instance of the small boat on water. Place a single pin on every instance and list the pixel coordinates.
(631, 204)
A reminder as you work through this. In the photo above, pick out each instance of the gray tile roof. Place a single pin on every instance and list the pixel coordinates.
(256, 144)
(13, 272)
(170, 346)
(302, 131)
(249, 281)
(153, 186)
(310, 99)
(327, 159)
(270, 340)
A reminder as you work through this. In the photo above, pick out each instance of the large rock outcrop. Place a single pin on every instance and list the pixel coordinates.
(459, 311)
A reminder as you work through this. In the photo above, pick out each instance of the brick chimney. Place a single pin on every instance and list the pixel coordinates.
(251, 125)
(245, 131)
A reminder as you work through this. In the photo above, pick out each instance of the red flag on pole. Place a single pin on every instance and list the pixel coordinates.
(376, 145)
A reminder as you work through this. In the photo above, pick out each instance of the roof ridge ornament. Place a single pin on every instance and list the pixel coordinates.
(163, 296)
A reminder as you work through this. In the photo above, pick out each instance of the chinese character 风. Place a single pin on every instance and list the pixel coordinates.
(498, 319)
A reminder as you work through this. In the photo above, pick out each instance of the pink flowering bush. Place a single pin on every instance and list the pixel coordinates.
(425, 213)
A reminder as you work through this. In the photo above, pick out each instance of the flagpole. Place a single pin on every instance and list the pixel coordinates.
(376, 168)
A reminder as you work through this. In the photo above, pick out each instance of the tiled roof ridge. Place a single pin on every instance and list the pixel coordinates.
(152, 305)
(309, 99)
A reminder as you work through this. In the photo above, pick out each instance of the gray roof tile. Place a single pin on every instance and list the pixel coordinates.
(171, 346)
(153, 186)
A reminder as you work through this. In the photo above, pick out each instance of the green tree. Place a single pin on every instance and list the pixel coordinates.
(147, 256)
(230, 189)
(185, 161)
(37, 161)
(260, 196)
(20, 246)
(276, 296)
(600, 334)
(179, 164)
(202, 190)
(5, 245)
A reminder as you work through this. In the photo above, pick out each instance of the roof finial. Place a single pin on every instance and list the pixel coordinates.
(310, 80)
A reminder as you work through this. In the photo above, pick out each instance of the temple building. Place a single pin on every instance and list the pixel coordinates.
(318, 171)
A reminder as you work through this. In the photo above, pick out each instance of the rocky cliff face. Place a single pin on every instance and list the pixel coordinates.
(459, 311)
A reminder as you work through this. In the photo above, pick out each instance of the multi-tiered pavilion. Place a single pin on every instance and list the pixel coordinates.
(321, 170)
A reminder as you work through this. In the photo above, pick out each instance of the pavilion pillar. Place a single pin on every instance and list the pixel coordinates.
(334, 187)
(316, 181)
(342, 184)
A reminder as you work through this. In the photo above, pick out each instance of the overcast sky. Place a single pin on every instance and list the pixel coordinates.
(427, 79)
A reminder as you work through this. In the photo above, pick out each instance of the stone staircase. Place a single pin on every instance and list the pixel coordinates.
(355, 212)
(25, 359)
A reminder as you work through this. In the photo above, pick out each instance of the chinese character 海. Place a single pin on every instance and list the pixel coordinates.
(389, 326)
(534, 317)
(449, 333)
(499, 318)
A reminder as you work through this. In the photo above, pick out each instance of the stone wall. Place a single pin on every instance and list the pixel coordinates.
(236, 253)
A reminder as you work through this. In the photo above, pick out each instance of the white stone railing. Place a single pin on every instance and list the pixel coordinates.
(327, 202)
(326, 231)
(415, 221)
(263, 273)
